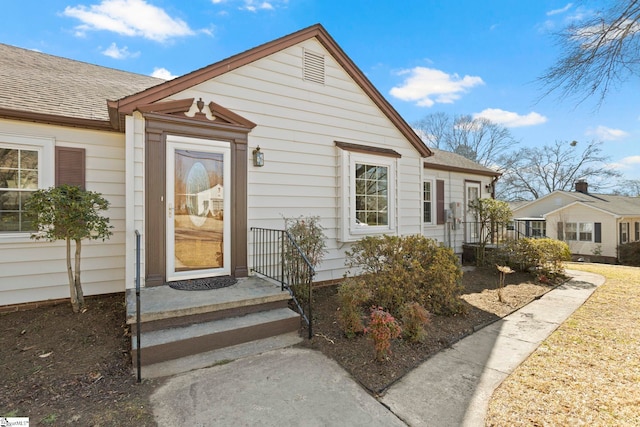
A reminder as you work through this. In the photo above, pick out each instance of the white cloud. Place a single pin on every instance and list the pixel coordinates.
(631, 163)
(254, 6)
(115, 52)
(591, 36)
(129, 18)
(428, 86)
(561, 10)
(163, 73)
(606, 134)
(510, 119)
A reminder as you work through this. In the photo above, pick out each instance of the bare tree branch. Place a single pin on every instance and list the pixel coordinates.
(534, 172)
(477, 139)
(597, 53)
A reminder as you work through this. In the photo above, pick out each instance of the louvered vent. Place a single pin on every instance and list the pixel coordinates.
(313, 67)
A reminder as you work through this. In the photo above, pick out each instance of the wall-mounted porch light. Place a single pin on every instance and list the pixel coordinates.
(258, 157)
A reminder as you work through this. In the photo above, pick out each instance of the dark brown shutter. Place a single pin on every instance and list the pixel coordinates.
(70, 166)
(597, 235)
(560, 231)
(440, 201)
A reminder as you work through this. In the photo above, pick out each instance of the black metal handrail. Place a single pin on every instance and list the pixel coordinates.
(139, 368)
(277, 255)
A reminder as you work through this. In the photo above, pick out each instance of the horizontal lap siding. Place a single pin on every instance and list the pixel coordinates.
(36, 270)
(578, 213)
(453, 192)
(298, 123)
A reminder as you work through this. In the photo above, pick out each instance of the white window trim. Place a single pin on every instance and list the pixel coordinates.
(626, 232)
(577, 239)
(46, 170)
(350, 230)
(434, 201)
(542, 228)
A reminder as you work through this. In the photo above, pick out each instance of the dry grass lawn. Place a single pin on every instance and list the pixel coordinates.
(587, 373)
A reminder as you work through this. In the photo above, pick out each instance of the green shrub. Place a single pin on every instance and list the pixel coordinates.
(414, 319)
(398, 270)
(352, 296)
(629, 254)
(382, 329)
(542, 255)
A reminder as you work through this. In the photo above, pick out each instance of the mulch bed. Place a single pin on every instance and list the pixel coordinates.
(356, 355)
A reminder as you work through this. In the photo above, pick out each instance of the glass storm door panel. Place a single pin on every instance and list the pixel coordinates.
(472, 230)
(198, 223)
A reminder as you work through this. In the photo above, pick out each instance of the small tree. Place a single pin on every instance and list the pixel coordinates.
(69, 213)
(492, 216)
(308, 234)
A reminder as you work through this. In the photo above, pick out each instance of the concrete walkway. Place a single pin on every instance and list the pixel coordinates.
(300, 387)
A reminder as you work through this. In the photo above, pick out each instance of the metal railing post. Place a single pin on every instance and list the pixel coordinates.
(138, 306)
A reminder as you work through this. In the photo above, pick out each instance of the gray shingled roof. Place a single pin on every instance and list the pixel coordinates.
(47, 84)
(618, 205)
(448, 159)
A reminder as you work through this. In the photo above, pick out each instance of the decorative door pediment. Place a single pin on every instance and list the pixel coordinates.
(197, 110)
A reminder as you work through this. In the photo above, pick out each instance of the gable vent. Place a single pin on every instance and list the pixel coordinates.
(313, 67)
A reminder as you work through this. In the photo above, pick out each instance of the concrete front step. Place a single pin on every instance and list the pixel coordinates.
(185, 330)
(220, 356)
(162, 303)
(173, 343)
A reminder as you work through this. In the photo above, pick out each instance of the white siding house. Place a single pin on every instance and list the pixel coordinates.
(450, 182)
(333, 147)
(593, 225)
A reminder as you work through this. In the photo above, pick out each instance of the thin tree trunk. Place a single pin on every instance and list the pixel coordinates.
(79, 292)
(72, 287)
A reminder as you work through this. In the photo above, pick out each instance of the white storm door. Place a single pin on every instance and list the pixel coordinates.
(198, 208)
(472, 229)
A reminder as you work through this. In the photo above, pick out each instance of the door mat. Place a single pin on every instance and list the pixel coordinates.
(203, 284)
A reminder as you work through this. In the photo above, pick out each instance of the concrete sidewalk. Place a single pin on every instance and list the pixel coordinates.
(453, 388)
(301, 387)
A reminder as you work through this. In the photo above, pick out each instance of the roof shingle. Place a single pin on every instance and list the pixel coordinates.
(46, 84)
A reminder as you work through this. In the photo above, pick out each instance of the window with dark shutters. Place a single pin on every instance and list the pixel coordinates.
(440, 201)
(560, 231)
(70, 166)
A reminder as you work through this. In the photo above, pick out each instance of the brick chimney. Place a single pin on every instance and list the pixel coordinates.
(582, 186)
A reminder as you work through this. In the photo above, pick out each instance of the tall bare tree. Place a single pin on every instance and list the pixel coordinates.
(533, 172)
(597, 53)
(628, 187)
(477, 139)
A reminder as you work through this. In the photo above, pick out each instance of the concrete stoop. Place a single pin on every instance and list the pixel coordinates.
(185, 330)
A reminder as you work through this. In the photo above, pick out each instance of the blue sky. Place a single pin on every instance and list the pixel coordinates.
(458, 57)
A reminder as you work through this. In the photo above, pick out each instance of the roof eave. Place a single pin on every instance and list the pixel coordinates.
(53, 119)
(428, 165)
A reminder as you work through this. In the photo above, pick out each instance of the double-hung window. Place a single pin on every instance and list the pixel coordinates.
(427, 201)
(571, 231)
(585, 232)
(538, 228)
(579, 231)
(26, 165)
(624, 232)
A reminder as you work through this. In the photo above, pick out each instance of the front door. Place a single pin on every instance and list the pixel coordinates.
(472, 229)
(198, 207)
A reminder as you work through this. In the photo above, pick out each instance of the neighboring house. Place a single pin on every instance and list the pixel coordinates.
(593, 225)
(171, 156)
(450, 182)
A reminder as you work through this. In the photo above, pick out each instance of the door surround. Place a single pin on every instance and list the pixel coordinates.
(157, 127)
